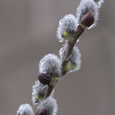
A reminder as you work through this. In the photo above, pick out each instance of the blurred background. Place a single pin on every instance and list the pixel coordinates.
(28, 32)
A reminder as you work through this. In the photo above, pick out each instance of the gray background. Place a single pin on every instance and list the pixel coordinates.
(28, 32)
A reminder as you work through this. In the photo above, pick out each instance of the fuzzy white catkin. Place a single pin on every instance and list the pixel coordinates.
(84, 7)
(50, 104)
(25, 109)
(74, 58)
(39, 89)
(50, 64)
(68, 23)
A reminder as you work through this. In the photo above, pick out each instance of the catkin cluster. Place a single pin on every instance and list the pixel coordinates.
(52, 67)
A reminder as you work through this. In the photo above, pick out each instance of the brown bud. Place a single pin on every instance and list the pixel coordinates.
(42, 112)
(44, 78)
(88, 19)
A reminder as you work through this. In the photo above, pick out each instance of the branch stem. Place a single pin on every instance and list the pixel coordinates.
(49, 90)
(70, 46)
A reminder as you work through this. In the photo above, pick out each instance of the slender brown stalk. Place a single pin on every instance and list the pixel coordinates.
(49, 90)
(70, 46)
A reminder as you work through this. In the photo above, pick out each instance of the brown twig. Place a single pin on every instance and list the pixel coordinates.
(70, 46)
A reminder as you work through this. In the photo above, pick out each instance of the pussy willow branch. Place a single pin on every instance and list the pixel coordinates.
(70, 46)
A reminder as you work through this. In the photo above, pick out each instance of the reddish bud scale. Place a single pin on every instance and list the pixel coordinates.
(42, 112)
(88, 19)
(44, 78)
